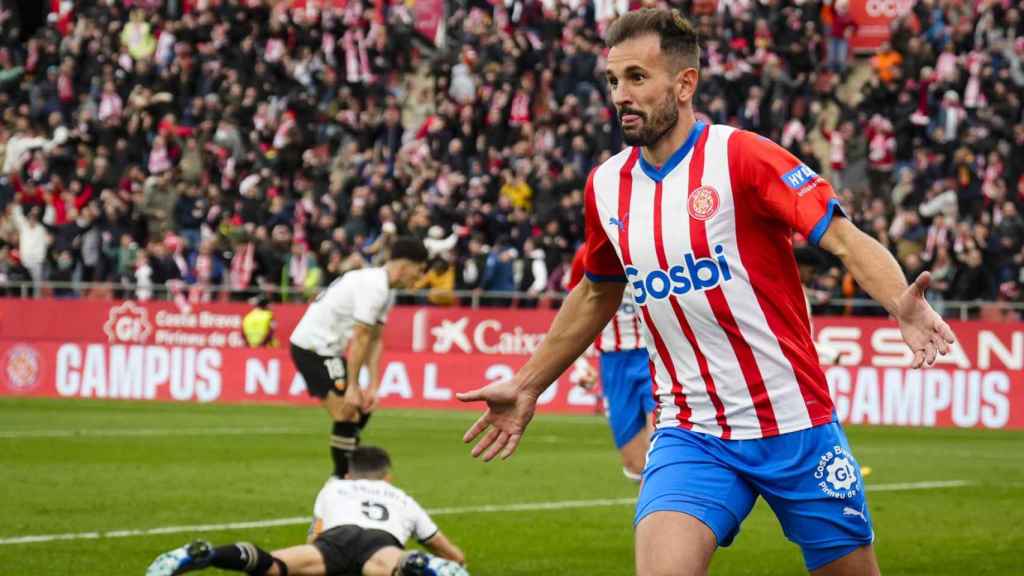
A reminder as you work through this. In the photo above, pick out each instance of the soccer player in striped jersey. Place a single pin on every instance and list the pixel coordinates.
(625, 379)
(698, 220)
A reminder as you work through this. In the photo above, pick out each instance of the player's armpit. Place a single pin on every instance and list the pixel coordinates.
(441, 546)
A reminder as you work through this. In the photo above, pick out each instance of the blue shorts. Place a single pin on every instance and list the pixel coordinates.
(809, 478)
(626, 385)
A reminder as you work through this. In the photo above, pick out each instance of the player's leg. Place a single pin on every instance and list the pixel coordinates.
(323, 376)
(641, 403)
(237, 557)
(860, 562)
(383, 562)
(812, 482)
(690, 503)
(326, 379)
(344, 431)
(625, 408)
(634, 454)
(304, 560)
(673, 544)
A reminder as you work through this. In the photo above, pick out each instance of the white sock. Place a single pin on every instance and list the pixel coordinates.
(631, 476)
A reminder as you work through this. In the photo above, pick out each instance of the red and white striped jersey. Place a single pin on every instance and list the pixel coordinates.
(705, 244)
(623, 331)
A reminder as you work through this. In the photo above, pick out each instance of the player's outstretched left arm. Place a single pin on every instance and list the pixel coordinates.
(875, 270)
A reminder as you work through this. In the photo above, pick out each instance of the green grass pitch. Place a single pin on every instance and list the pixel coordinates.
(76, 467)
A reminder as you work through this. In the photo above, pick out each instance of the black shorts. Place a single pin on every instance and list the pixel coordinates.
(346, 548)
(321, 373)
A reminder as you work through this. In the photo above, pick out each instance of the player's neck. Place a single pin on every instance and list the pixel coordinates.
(660, 152)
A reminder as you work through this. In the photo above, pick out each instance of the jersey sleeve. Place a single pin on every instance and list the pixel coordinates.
(576, 272)
(600, 262)
(423, 525)
(371, 304)
(782, 187)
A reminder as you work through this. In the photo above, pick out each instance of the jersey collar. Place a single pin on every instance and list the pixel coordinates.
(657, 174)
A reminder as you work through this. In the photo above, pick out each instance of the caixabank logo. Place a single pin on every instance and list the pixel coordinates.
(21, 368)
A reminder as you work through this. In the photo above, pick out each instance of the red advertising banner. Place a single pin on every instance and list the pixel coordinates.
(192, 374)
(154, 350)
(873, 18)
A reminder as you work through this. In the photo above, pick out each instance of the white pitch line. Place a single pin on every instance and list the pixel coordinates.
(900, 487)
(481, 509)
(127, 432)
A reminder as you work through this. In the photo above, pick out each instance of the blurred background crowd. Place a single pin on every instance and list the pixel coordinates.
(251, 147)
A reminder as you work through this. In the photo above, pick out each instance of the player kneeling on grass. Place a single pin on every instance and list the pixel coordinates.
(360, 525)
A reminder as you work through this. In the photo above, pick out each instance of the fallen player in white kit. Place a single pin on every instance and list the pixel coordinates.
(360, 526)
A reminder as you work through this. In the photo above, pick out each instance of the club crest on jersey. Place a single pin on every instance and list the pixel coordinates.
(798, 177)
(618, 223)
(694, 275)
(703, 203)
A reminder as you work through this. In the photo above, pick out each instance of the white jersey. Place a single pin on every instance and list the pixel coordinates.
(371, 504)
(359, 296)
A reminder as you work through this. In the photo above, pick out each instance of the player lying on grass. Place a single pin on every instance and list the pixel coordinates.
(360, 525)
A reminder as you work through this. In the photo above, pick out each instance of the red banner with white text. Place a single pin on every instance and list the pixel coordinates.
(158, 351)
(873, 19)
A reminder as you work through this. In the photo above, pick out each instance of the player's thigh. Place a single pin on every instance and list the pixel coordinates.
(673, 544)
(813, 483)
(305, 560)
(859, 562)
(684, 475)
(383, 562)
(338, 409)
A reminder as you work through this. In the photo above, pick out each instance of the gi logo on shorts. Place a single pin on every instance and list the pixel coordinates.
(836, 474)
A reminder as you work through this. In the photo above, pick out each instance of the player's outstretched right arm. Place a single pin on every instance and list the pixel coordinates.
(510, 404)
(441, 546)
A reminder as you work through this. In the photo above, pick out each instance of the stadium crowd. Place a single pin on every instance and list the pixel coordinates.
(246, 145)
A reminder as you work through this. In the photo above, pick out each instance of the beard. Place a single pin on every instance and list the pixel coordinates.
(652, 129)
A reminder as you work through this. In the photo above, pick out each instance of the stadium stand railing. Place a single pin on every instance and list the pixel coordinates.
(951, 309)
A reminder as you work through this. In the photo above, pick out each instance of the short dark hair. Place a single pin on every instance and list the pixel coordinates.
(369, 462)
(409, 248)
(679, 39)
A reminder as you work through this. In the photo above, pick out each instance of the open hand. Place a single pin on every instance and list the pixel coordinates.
(509, 410)
(923, 329)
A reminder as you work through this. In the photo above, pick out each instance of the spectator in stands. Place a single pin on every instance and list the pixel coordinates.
(252, 126)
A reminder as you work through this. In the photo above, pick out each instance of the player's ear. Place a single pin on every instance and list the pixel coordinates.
(348, 475)
(686, 80)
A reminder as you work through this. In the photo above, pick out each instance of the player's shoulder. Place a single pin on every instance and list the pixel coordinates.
(372, 277)
(745, 140)
(607, 172)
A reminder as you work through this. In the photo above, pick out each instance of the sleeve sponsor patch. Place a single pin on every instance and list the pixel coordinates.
(798, 177)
